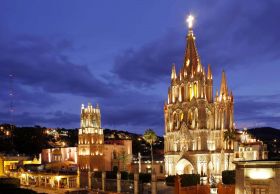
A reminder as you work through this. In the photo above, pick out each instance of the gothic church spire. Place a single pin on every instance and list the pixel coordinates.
(224, 88)
(191, 55)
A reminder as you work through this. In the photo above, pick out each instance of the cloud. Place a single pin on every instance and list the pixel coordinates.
(241, 34)
(258, 110)
(133, 111)
(56, 118)
(148, 64)
(229, 35)
(41, 63)
(23, 97)
(137, 117)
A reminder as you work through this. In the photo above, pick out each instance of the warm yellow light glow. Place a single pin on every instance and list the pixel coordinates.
(195, 90)
(181, 165)
(260, 173)
(189, 20)
(58, 178)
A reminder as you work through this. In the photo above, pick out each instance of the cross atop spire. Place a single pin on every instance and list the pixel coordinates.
(189, 20)
(191, 61)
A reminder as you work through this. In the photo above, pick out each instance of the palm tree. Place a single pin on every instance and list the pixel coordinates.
(150, 137)
(229, 136)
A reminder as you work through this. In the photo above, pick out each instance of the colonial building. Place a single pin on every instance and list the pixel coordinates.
(195, 121)
(93, 153)
(91, 139)
(143, 164)
(247, 147)
(60, 154)
(259, 176)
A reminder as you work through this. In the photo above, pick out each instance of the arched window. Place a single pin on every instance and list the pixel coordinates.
(195, 90)
(193, 118)
(182, 93)
(190, 118)
(209, 121)
(178, 117)
(114, 154)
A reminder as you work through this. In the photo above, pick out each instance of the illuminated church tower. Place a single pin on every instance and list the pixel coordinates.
(91, 140)
(195, 122)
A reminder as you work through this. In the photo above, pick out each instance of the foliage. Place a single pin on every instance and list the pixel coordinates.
(150, 136)
(170, 180)
(31, 140)
(123, 157)
(213, 183)
(229, 135)
(268, 135)
(189, 179)
(72, 137)
(228, 177)
(9, 183)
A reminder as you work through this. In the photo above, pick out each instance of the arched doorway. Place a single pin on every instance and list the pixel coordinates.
(184, 167)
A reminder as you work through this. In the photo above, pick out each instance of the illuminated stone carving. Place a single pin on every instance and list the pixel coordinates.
(91, 139)
(195, 122)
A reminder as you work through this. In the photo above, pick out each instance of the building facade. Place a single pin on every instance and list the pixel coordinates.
(195, 121)
(8, 163)
(261, 176)
(93, 153)
(247, 147)
(61, 154)
(143, 164)
(90, 140)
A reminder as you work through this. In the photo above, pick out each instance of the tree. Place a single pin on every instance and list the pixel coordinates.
(229, 136)
(122, 158)
(150, 137)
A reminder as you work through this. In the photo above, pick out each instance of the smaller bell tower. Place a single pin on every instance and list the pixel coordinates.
(91, 140)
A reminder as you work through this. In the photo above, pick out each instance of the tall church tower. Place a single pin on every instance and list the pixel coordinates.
(91, 140)
(195, 122)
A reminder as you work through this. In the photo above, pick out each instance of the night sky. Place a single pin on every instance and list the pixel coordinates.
(118, 53)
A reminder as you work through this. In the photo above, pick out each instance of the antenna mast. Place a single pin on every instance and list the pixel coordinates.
(11, 96)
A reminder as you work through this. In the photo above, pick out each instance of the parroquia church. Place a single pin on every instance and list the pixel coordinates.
(195, 121)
